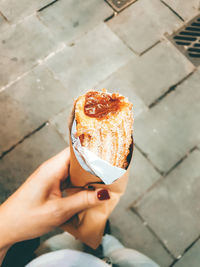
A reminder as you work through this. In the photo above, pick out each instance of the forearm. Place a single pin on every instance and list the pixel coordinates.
(3, 252)
(5, 240)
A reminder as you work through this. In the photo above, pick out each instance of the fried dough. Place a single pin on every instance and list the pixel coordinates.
(104, 125)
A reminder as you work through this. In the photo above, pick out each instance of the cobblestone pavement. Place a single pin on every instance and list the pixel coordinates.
(51, 51)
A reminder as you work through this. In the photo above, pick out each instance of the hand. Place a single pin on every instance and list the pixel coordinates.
(38, 206)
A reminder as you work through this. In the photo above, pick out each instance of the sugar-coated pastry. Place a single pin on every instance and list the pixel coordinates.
(104, 125)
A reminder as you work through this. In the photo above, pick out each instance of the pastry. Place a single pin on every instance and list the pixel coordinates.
(104, 125)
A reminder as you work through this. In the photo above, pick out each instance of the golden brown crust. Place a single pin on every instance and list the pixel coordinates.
(108, 137)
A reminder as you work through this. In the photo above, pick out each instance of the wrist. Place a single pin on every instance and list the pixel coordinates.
(5, 241)
(3, 252)
(5, 232)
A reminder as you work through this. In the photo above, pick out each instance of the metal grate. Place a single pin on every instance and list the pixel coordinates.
(187, 39)
(119, 5)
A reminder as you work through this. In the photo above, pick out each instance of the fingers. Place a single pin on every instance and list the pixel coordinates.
(81, 201)
(56, 168)
(63, 156)
(61, 162)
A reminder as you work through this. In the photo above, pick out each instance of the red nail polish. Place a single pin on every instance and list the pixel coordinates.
(103, 194)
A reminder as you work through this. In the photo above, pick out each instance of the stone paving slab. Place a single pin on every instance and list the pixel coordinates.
(186, 9)
(172, 208)
(171, 128)
(142, 177)
(191, 258)
(93, 58)
(3, 23)
(17, 165)
(131, 231)
(28, 103)
(68, 20)
(60, 122)
(142, 24)
(20, 50)
(150, 75)
(17, 10)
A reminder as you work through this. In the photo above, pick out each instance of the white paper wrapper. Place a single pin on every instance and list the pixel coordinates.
(92, 163)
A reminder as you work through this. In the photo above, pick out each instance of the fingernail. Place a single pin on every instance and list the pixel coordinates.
(103, 194)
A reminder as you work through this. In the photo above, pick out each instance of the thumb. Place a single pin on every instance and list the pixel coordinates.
(82, 200)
